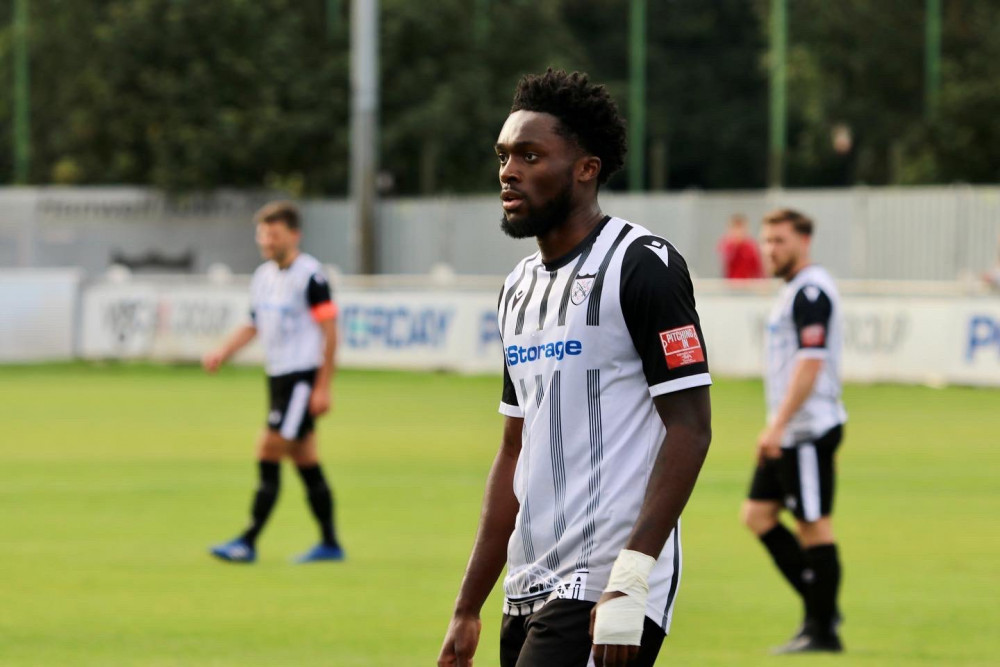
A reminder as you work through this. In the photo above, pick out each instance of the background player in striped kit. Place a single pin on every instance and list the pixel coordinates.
(605, 398)
(293, 312)
(804, 428)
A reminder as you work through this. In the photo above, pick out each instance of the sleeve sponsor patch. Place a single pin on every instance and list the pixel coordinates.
(813, 335)
(681, 347)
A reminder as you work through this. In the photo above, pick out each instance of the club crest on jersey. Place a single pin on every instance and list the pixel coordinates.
(581, 288)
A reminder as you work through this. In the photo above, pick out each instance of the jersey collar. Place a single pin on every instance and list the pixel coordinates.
(557, 264)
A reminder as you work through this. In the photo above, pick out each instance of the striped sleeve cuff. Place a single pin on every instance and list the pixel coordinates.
(812, 353)
(509, 410)
(699, 380)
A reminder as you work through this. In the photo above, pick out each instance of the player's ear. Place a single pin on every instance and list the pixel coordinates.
(588, 168)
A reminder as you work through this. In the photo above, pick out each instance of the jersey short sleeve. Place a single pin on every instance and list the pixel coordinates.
(811, 311)
(508, 397)
(320, 298)
(658, 304)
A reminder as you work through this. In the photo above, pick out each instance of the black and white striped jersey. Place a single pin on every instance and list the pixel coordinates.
(285, 306)
(806, 323)
(589, 340)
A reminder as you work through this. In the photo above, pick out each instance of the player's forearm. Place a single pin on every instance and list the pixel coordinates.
(327, 368)
(238, 340)
(496, 523)
(675, 471)
(800, 386)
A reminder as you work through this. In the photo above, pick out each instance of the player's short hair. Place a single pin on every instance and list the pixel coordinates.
(280, 211)
(800, 222)
(586, 114)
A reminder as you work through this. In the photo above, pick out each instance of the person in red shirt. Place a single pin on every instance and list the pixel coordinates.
(740, 257)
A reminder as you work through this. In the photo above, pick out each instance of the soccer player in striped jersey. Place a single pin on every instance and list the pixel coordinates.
(805, 419)
(292, 310)
(605, 401)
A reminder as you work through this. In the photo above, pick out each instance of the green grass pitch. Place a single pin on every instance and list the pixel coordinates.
(115, 479)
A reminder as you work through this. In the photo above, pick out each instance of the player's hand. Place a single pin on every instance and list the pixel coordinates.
(460, 642)
(319, 401)
(610, 655)
(211, 361)
(769, 443)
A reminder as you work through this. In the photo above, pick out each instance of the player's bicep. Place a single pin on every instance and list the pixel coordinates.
(659, 308)
(329, 328)
(690, 409)
(513, 429)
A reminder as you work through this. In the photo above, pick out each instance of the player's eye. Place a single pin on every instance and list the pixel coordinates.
(502, 157)
(530, 157)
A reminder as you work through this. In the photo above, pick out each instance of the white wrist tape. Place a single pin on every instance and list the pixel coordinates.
(620, 621)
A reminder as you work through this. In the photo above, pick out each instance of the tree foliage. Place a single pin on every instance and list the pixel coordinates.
(186, 94)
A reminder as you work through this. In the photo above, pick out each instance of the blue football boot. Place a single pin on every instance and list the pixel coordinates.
(322, 552)
(235, 551)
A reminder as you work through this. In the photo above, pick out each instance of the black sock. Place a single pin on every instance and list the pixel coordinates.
(822, 583)
(264, 499)
(320, 500)
(787, 555)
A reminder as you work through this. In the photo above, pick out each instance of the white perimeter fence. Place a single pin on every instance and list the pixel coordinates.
(933, 333)
(927, 233)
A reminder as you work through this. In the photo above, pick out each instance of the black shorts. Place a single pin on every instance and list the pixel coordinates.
(289, 413)
(558, 635)
(802, 479)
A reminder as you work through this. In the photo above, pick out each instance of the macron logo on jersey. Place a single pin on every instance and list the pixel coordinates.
(523, 355)
(660, 249)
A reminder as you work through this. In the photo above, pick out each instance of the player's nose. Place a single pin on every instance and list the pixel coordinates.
(508, 173)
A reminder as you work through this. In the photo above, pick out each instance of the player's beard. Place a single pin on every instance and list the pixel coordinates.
(539, 222)
(279, 256)
(784, 271)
